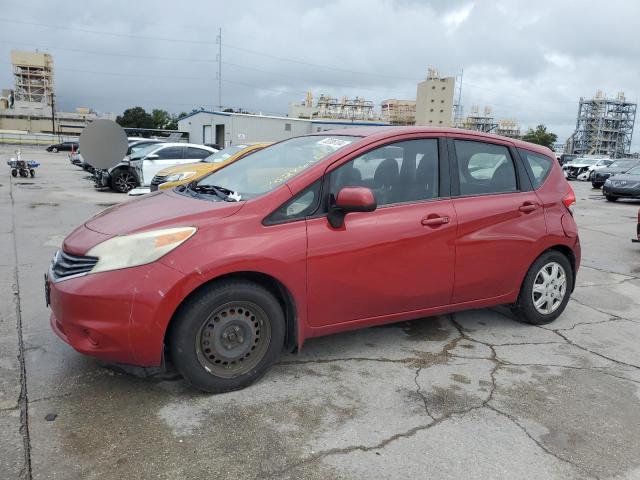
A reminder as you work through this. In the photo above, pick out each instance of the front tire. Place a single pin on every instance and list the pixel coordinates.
(226, 336)
(123, 181)
(546, 289)
(611, 198)
(54, 150)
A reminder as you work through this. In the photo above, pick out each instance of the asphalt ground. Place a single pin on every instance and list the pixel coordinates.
(471, 395)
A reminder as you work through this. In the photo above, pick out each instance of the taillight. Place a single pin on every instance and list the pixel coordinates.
(569, 199)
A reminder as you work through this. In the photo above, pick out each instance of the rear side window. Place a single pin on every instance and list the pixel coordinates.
(193, 152)
(484, 168)
(170, 153)
(539, 165)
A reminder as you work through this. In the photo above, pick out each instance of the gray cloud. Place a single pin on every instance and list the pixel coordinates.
(529, 60)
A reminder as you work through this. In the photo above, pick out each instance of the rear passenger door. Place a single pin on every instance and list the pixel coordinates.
(195, 154)
(500, 218)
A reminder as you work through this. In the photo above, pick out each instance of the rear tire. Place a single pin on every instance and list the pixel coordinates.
(546, 289)
(611, 198)
(226, 336)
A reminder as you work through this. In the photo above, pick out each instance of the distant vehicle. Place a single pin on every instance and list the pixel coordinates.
(140, 167)
(76, 158)
(62, 147)
(182, 174)
(137, 145)
(623, 185)
(566, 158)
(618, 166)
(582, 167)
(600, 165)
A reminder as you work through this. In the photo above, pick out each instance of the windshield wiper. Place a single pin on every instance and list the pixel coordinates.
(223, 193)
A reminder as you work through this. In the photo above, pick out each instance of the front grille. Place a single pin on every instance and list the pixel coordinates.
(67, 265)
(157, 180)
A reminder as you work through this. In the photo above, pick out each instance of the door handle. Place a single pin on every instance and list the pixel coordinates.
(528, 207)
(434, 221)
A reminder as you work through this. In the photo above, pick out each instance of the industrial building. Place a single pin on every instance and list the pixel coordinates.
(604, 126)
(508, 127)
(434, 100)
(327, 107)
(481, 122)
(29, 107)
(398, 112)
(224, 128)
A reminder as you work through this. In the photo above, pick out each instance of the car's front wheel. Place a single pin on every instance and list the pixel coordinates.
(226, 336)
(596, 185)
(546, 289)
(611, 198)
(122, 181)
(54, 150)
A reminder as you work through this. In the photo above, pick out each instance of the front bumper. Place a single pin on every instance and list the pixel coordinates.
(119, 316)
(621, 192)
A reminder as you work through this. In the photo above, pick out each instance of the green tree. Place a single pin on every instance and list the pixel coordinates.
(173, 123)
(161, 118)
(135, 117)
(540, 136)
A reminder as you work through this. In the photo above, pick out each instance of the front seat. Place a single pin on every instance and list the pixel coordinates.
(385, 180)
(504, 178)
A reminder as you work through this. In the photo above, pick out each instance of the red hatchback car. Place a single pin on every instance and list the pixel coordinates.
(316, 235)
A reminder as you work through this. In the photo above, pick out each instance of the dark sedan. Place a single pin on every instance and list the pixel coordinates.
(62, 147)
(617, 167)
(623, 185)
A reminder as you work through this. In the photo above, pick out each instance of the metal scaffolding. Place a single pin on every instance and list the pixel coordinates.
(33, 78)
(604, 126)
(480, 122)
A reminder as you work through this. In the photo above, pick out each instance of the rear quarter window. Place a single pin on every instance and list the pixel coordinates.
(538, 165)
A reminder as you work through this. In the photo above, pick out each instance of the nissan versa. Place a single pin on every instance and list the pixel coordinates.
(316, 235)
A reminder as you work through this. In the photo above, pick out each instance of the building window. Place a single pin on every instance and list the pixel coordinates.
(441, 101)
(444, 88)
(433, 88)
(440, 121)
(287, 127)
(431, 110)
(432, 100)
(441, 110)
(430, 121)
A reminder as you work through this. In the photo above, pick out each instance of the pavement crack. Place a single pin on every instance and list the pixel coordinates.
(540, 445)
(573, 299)
(23, 399)
(419, 392)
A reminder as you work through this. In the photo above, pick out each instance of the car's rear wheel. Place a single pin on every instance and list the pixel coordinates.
(546, 289)
(122, 181)
(596, 185)
(227, 336)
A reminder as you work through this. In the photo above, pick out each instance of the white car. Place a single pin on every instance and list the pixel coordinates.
(137, 169)
(581, 168)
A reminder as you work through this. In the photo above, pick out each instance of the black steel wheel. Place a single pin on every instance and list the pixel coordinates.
(24, 172)
(611, 198)
(123, 181)
(226, 335)
(32, 172)
(14, 172)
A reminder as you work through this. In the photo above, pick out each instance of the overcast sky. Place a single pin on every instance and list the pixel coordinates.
(530, 61)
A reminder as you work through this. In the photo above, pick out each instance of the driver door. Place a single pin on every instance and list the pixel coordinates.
(398, 258)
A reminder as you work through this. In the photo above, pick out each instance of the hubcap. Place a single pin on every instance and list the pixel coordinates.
(233, 339)
(549, 288)
(125, 182)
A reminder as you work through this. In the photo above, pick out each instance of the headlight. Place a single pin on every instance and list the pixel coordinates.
(137, 249)
(176, 177)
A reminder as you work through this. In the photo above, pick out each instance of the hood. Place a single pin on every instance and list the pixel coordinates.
(199, 167)
(160, 209)
(629, 178)
(615, 170)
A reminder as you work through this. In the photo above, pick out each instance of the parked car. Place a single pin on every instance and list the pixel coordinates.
(637, 239)
(591, 170)
(566, 158)
(312, 236)
(582, 167)
(181, 174)
(62, 147)
(618, 166)
(623, 185)
(76, 158)
(140, 167)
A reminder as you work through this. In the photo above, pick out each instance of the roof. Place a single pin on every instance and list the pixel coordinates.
(292, 119)
(399, 130)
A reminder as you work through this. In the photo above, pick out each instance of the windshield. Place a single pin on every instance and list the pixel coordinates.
(223, 155)
(623, 164)
(270, 167)
(144, 151)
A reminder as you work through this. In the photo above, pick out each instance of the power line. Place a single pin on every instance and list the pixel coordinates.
(102, 32)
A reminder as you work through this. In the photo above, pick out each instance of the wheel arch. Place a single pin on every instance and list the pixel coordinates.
(272, 284)
(563, 249)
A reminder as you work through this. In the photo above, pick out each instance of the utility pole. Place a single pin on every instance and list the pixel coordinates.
(219, 75)
(53, 116)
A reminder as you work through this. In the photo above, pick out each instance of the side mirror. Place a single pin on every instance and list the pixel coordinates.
(153, 156)
(351, 199)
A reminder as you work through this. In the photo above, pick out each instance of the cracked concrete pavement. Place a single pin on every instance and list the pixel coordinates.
(471, 395)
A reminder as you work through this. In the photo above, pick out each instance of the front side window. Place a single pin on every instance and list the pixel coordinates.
(299, 207)
(169, 153)
(484, 168)
(400, 172)
(540, 166)
(270, 167)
